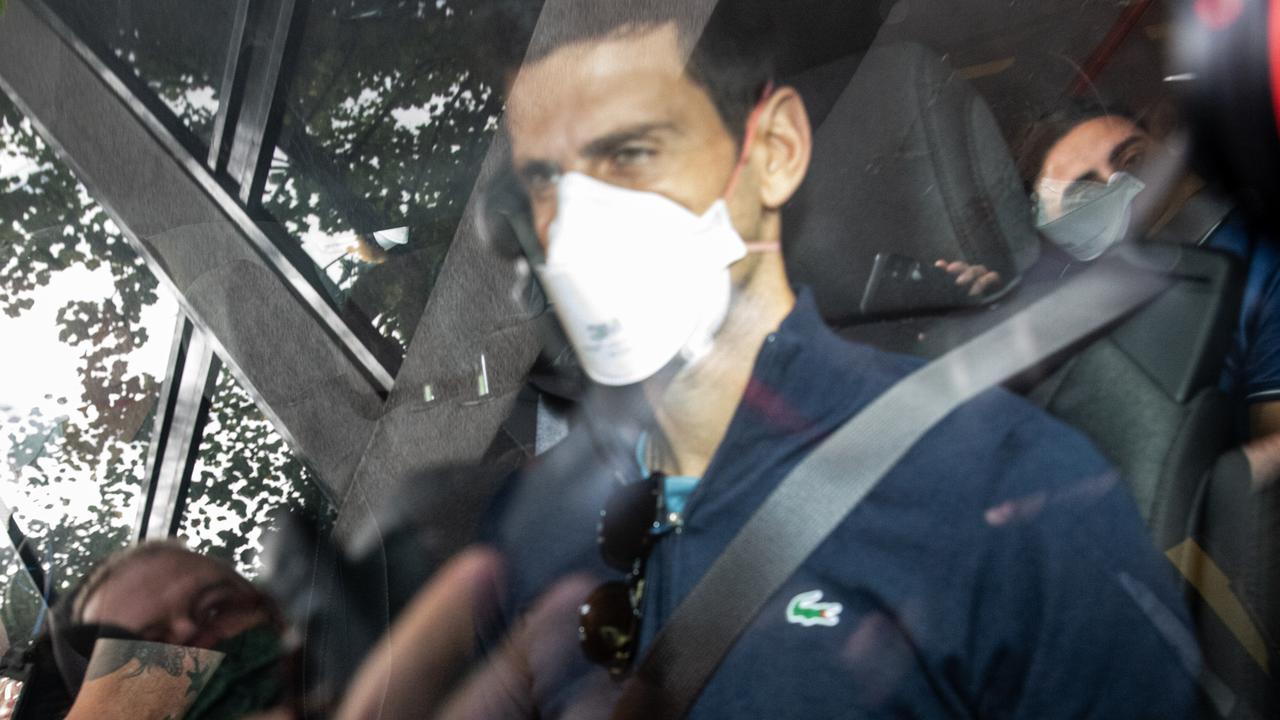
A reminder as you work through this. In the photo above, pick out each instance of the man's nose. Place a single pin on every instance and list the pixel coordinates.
(544, 213)
(183, 631)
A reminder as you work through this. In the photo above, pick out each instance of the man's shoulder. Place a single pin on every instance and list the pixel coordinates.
(1029, 449)
(997, 445)
(998, 421)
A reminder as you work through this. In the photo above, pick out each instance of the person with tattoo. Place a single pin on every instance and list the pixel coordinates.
(158, 631)
(139, 679)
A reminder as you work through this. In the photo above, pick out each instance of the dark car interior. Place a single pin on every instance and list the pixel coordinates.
(916, 108)
(912, 158)
(1145, 391)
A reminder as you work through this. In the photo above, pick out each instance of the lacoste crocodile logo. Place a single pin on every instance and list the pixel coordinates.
(807, 609)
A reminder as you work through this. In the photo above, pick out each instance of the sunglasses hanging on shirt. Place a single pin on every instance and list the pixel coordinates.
(609, 619)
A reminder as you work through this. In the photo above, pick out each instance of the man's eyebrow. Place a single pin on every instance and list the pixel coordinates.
(537, 168)
(1113, 159)
(1118, 151)
(608, 143)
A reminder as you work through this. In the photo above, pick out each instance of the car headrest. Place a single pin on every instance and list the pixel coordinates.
(907, 160)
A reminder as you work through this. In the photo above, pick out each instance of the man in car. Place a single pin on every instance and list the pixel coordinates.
(167, 632)
(1100, 145)
(1000, 569)
(1084, 165)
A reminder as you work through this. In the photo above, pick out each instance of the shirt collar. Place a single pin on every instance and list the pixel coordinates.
(804, 320)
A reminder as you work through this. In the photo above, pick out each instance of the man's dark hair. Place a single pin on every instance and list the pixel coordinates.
(732, 58)
(109, 567)
(1039, 137)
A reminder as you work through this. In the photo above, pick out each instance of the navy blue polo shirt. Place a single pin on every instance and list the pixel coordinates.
(999, 570)
(1251, 373)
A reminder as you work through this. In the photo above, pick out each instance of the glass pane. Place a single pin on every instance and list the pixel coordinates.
(22, 611)
(901, 173)
(88, 333)
(387, 120)
(245, 472)
(177, 48)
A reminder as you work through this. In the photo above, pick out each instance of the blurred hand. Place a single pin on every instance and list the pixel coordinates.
(977, 277)
(413, 672)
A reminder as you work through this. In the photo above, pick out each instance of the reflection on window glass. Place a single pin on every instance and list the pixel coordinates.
(21, 607)
(177, 48)
(244, 473)
(387, 119)
(87, 334)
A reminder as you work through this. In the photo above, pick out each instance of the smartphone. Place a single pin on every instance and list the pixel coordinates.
(900, 285)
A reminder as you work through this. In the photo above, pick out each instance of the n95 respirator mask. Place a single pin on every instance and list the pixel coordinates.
(636, 279)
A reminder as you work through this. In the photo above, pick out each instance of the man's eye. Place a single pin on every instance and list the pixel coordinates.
(212, 612)
(539, 179)
(1133, 161)
(539, 185)
(214, 608)
(632, 155)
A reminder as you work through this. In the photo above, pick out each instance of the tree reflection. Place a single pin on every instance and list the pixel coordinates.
(389, 111)
(176, 48)
(74, 476)
(244, 474)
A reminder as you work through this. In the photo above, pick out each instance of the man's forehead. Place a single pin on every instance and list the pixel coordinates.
(584, 89)
(134, 588)
(1087, 144)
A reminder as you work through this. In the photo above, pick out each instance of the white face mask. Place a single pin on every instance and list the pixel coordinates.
(1097, 218)
(636, 279)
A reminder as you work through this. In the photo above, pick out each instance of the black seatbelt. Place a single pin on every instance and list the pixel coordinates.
(1196, 220)
(816, 496)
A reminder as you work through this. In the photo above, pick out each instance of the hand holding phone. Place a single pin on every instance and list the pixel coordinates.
(901, 285)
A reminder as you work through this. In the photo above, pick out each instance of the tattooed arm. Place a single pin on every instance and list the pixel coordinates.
(142, 680)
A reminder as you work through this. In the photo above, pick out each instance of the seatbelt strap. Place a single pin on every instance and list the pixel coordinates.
(816, 496)
(1198, 218)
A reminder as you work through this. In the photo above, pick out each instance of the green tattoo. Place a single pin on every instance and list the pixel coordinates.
(199, 676)
(112, 655)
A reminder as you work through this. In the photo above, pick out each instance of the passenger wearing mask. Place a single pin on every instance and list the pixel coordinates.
(1085, 167)
(1001, 569)
(158, 631)
(1084, 189)
(1080, 167)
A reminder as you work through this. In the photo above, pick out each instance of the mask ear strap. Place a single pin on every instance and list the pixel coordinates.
(748, 137)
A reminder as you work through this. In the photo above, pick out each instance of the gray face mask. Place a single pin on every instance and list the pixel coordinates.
(1096, 217)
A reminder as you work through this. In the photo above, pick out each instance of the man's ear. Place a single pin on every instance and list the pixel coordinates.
(784, 145)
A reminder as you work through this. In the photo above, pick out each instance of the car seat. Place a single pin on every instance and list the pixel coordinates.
(908, 159)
